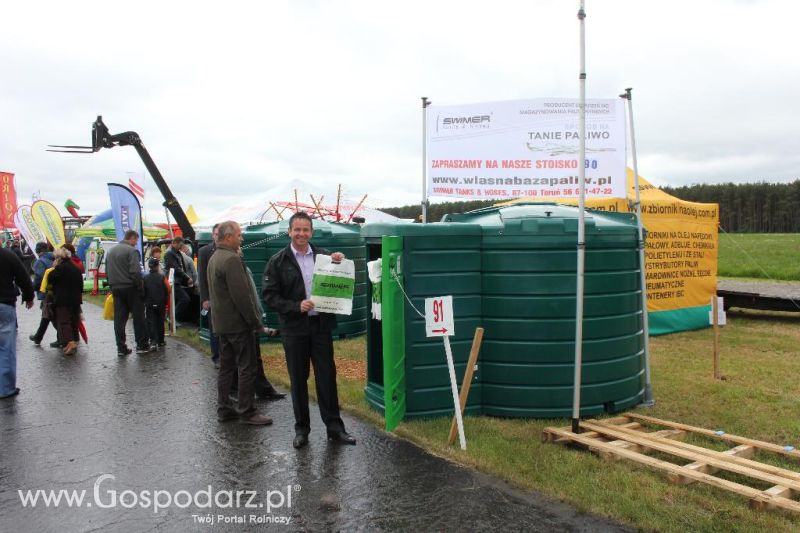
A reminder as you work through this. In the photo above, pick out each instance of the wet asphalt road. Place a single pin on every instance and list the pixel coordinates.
(131, 431)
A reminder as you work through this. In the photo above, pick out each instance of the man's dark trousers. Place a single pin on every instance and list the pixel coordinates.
(129, 301)
(261, 385)
(182, 301)
(316, 348)
(236, 350)
(213, 338)
(156, 314)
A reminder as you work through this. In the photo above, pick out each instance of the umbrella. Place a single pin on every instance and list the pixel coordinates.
(82, 331)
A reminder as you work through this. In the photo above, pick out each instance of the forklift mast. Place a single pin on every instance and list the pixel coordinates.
(101, 138)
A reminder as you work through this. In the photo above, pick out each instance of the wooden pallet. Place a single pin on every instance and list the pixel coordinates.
(629, 437)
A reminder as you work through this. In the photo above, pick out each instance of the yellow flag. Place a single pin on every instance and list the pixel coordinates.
(191, 215)
(49, 221)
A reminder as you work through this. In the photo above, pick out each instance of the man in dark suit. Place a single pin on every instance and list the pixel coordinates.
(306, 334)
(203, 256)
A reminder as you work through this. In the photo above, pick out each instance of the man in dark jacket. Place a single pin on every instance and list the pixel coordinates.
(203, 256)
(124, 273)
(306, 334)
(236, 320)
(13, 279)
(183, 280)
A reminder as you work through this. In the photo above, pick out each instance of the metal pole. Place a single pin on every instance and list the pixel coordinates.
(648, 386)
(425, 104)
(576, 394)
(169, 223)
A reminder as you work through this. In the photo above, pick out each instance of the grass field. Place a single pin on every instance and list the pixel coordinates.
(760, 255)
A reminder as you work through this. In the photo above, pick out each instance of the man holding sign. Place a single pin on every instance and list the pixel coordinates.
(306, 332)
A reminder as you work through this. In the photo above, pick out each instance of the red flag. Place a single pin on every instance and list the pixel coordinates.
(136, 189)
(8, 200)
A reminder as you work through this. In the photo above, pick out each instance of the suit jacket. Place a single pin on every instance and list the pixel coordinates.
(283, 290)
(234, 308)
(203, 257)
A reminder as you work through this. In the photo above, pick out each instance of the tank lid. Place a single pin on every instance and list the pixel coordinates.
(434, 229)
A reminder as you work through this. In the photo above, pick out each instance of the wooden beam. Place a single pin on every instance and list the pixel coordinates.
(776, 448)
(762, 497)
(740, 451)
(721, 463)
(777, 490)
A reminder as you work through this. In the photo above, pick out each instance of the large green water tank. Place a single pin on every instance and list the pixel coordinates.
(529, 263)
(512, 270)
(262, 241)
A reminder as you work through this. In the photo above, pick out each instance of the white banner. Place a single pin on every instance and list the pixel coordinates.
(30, 231)
(525, 148)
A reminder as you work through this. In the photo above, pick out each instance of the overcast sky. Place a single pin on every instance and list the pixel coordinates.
(234, 98)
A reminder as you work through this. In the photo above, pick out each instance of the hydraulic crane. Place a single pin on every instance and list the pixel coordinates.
(101, 138)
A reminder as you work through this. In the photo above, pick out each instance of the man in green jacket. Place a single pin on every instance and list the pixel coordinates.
(236, 319)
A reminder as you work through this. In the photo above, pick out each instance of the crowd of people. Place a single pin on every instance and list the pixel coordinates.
(229, 302)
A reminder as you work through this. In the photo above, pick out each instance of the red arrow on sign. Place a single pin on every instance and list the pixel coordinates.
(443, 330)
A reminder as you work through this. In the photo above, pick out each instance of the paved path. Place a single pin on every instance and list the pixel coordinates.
(149, 421)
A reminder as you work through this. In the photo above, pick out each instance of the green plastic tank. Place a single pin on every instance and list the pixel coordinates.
(529, 263)
(511, 270)
(436, 260)
(262, 241)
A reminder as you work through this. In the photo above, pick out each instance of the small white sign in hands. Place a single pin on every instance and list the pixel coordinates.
(439, 317)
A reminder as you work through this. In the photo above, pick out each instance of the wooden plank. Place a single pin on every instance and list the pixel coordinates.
(739, 451)
(638, 447)
(777, 490)
(693, 456)
(550, 438)
(666, 467)
(738, 455)
(776, 448)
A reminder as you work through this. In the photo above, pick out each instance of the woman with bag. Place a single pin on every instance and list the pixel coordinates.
(67, 283)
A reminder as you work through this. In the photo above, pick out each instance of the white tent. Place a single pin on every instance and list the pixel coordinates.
(282, 200)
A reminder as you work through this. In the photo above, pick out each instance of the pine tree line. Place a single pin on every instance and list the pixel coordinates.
(749, 207)
(437, 211)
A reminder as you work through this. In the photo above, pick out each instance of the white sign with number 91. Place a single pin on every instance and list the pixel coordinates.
(439, 316)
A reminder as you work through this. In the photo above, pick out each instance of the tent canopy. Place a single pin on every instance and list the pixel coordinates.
(280, 202)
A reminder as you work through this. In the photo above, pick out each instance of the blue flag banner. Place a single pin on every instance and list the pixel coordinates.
(127, 214)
